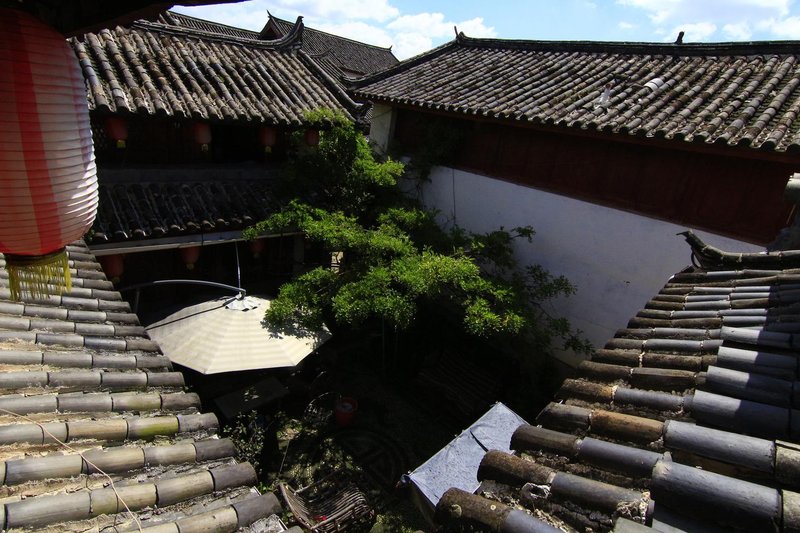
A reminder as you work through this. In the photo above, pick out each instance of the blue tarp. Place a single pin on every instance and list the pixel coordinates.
(456, 465)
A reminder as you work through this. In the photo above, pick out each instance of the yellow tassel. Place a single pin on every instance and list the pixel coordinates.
(38, 276)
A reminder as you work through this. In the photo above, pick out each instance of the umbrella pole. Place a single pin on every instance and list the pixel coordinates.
(285, 451)
(238, 268)
(383, 346)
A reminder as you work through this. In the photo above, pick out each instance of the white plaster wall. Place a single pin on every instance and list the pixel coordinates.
(381, 126)
(617, 260)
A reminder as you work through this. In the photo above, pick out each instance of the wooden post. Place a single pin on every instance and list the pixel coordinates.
(298, 254)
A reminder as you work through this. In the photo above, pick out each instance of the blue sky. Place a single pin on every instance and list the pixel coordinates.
(413, 26)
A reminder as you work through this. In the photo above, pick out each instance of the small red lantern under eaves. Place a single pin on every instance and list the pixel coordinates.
(268, 135)
(189, 256)
(201, 131)
(48, 184)
(257, 246)
(113, 266)
(117, 128)
(312, 137)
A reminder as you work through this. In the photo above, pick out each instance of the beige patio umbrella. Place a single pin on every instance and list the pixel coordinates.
(228, 334)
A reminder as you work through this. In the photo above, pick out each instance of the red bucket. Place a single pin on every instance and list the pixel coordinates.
(345, 411)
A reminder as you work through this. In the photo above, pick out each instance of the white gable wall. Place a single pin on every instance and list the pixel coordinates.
(616, 259)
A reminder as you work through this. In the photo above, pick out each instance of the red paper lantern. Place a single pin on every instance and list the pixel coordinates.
(113, 265)
(201, 132)
(117, 129)
(189, 256)
(312, 137)
(257, 246)
(268, 135)
(48, 183)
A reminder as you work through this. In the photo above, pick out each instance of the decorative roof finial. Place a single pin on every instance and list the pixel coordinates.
(455, 29)
(294, 37)
(679, 40)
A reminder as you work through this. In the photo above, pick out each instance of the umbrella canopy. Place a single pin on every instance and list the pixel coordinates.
(229, 334)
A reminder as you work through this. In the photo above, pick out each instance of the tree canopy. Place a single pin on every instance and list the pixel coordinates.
(390, 256)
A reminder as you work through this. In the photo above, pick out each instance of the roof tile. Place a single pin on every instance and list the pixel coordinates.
(168, 68)
(733, 94)
(111, 391)
(340, 57)
(689, 418)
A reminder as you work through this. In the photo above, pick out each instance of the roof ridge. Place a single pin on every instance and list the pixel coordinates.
(712, 258)
(354, 107)
(402, 65)
(295, 35)
(665, 92)
(699, 48)
(215, 23)
(283, 43)
(362, 43)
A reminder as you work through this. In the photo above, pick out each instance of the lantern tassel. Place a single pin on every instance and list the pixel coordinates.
(38, 276)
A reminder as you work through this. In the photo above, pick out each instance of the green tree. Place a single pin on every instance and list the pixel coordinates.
(393, 255)
(341, 173)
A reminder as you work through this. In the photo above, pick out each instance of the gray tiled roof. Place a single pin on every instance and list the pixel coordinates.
(141, 204)
(161, 69)
(340, 57)
(79, 369)
(736, 94)
(74, 17)
(192, 23)
(689, 416)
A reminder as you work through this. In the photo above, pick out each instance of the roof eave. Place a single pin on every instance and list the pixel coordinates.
(76, 17)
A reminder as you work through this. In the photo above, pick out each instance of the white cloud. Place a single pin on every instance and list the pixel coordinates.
(788, 28)
(430, 24)
(659, 11)
(782, 7)
(434, 25)
(700, 31)
(414, 34)
(359, 31)
(739, 32)
(378, 10)
(248, 15)
(736, 18)
(625, 25)
(253, 14)
(666, 9)
(410, 44)
(376, 22)
(476, 28)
